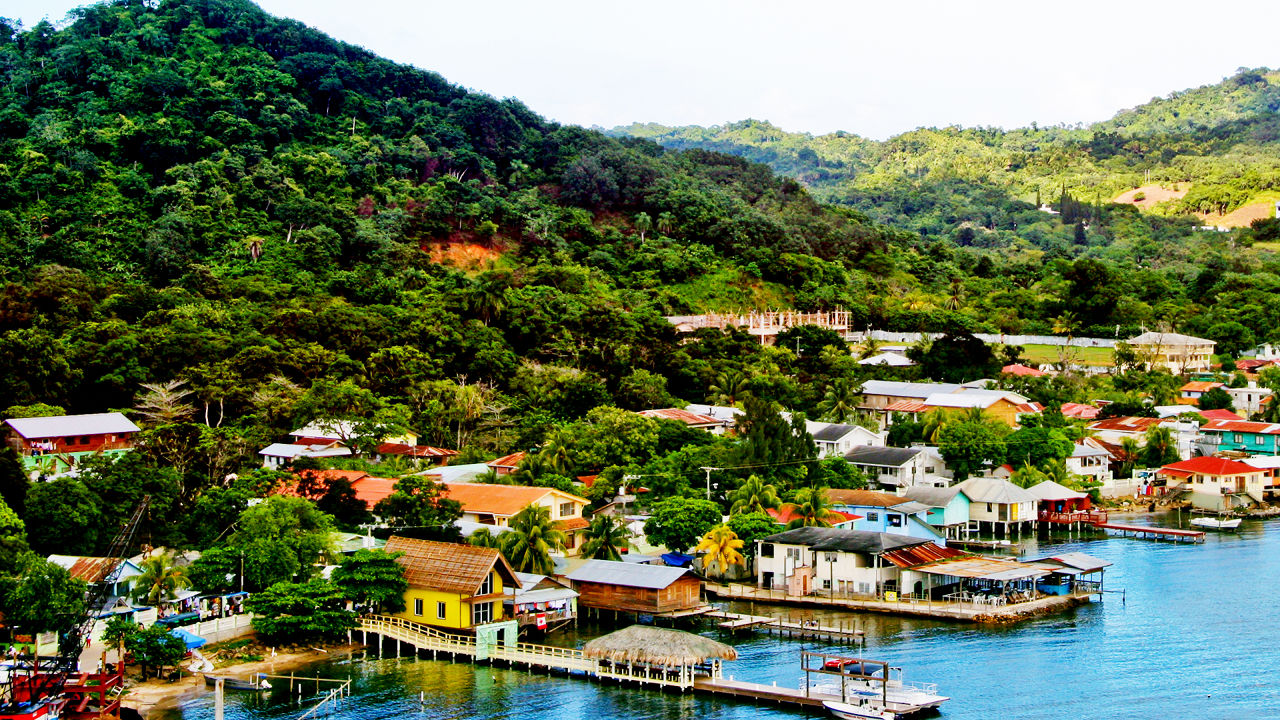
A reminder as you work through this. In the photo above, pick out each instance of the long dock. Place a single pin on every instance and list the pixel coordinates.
(1159, 533)
(574, 663)
(767, 623)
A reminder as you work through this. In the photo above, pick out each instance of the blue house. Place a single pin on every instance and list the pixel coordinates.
(948, 508)
(1255, 438)
(882, 512)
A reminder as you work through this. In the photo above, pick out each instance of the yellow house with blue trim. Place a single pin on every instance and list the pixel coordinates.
(452, 586)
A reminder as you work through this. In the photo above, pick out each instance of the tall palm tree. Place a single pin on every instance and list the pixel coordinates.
(1161, 449)
(729, 387)
(484, 538)
(754, 495)
(160, 579)
(606, 537)
(840, 401)
(722, 550)
(643, 223)
(870, 346)
(1129, 454)
(812, 508)
(932, 422)
(666, 223)
(531, 540)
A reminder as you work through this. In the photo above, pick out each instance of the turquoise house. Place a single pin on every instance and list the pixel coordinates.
(885, 513)
(948, 507)
(1255, 438)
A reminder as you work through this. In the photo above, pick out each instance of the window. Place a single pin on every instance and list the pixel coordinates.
(481, 613)
(873, 517)
(794, 554)
(988, 507)
(417, 607)
(895, 521)
(830, 557)
(567, 509)
(826, 584)
(441, 610)
(766, 550)
(929, 470)
(84, 439)
(570, 539)
(486, 587)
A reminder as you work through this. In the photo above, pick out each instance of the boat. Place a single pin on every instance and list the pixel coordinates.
(1209, 523)
(868, 711)
(897, 696)
(257, 682)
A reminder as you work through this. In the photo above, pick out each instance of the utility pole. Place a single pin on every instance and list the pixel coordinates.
(708, 471)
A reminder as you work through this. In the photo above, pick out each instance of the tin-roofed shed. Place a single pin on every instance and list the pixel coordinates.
(629, 587)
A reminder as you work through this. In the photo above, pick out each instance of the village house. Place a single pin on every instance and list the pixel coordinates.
(541, 602)
(1080, 411)
(452, 586)
(948, 508)
(1190, 393)
(1020, 370)
(893, 468)
(1094, 463)
(837, 439)
(98, 569)
(1250, 399)
(57, 444)
(884, 512)
(715, 426)
(1179, 354)
(724, 413)
(1216, 483)
(810, 560)
(1254, 438)
(790, 513)
(887, 359)
(323, 432)
(507, 464)
(497, 504)
(624, 587)
(1219, 415)
(281, 455)
(998, 506)
(1060, 505)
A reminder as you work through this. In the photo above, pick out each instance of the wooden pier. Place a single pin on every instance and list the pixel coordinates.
(1158, 533)
(573, 662)
(783, 626)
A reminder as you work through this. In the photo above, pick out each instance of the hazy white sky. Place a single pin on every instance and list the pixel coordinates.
(875, 69)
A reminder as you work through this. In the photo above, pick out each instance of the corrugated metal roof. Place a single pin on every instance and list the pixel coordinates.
(984, 568)
(933, 496)
(862, 498)
(63, 425)
(921, 554)
(882, 456)
(681, 415)
(608, 572)
(995, 490)
(1050, 490)
(863, 541)
(1077, 560)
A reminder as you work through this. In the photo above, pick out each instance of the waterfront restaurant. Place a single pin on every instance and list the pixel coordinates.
(650, 654)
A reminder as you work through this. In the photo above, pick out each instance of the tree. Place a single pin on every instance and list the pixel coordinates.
(296, 612)
(956, 357)
(13, 540)
(811, 508)
(840, 401)
(282, 538)
(750, 527)
(44, 598)
(1216, 399)
(164, 403)
(1037, 446)
(482, 537)
(210, 571)
(969, 447)
(531, 540)
(754, 495)
(1130, 452)
(606, 537)
(769, 440)
(643, 224)
(160, 580)
(1160, 448)
(721, 550)
(14, 482)
(730, 387)
(155, 648)
(677, 523)
(372, 579)
(420, 506)
(63, 517)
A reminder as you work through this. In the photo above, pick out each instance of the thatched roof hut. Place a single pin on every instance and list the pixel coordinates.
(657, 646)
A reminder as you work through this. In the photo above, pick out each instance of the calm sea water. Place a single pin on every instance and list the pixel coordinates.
(1194, 637)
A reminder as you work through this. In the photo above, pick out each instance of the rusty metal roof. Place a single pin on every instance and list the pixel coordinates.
(910, 557)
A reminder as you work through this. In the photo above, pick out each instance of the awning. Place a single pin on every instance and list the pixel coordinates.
(191, 640)
(981, 568)
(544, 595)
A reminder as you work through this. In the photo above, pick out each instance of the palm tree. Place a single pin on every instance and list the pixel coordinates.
(870, 346)
(729, 388)
(840, 401)
(1129, 452)
(531, 540)
(666, 223)
(160, 579)
(557, 459)
(253, 244)
(605, 538)
(932, 422)
(484, 538)
(812, 508)
(643, 224)
(754, 495)
(721, 548)
(1161, 448)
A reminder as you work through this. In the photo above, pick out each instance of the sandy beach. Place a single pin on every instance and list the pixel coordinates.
(155, 694)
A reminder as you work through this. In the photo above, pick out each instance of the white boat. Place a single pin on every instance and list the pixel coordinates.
(1209, 523)
(898, 697)
(869, 711)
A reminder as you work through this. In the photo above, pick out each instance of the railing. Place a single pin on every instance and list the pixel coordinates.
(1073, 516)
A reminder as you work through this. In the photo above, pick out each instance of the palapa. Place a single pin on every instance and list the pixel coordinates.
(657, 646)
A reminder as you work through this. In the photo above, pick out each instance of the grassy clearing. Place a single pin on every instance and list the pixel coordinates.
(1096, 356)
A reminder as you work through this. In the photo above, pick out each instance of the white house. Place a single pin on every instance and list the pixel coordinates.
(1092, 462)
(894, 468)
(1248, 400)
(998, 505)
(278, 455)
(837, 439)
(832, 560)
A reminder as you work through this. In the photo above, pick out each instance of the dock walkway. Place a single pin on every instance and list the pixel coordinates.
(574, 663)
(783, 626)
(1176, 534)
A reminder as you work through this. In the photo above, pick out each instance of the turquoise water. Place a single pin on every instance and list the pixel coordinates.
(1194, 637)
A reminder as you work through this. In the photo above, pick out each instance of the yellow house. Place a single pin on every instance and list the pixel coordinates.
(496, 504)
(452, 586)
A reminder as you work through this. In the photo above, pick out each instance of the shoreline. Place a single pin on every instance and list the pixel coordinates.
(156, 695)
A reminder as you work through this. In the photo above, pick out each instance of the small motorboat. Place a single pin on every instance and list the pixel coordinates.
(257, 682)
(860, 711)
(1209, 523)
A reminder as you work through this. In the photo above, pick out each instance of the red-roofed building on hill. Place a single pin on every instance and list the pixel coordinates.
(1219, 415)
(1080, 411)
(691, 419)
(789, 513)
(1022, 370)
(1191, 393)
(1215, 483)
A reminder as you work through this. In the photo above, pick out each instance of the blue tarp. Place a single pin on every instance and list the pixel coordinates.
(677, 559)
(191, 640)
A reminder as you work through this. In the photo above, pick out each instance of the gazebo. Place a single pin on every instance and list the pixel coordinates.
(657, 655)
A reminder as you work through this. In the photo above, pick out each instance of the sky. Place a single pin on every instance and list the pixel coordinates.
(871, 68)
